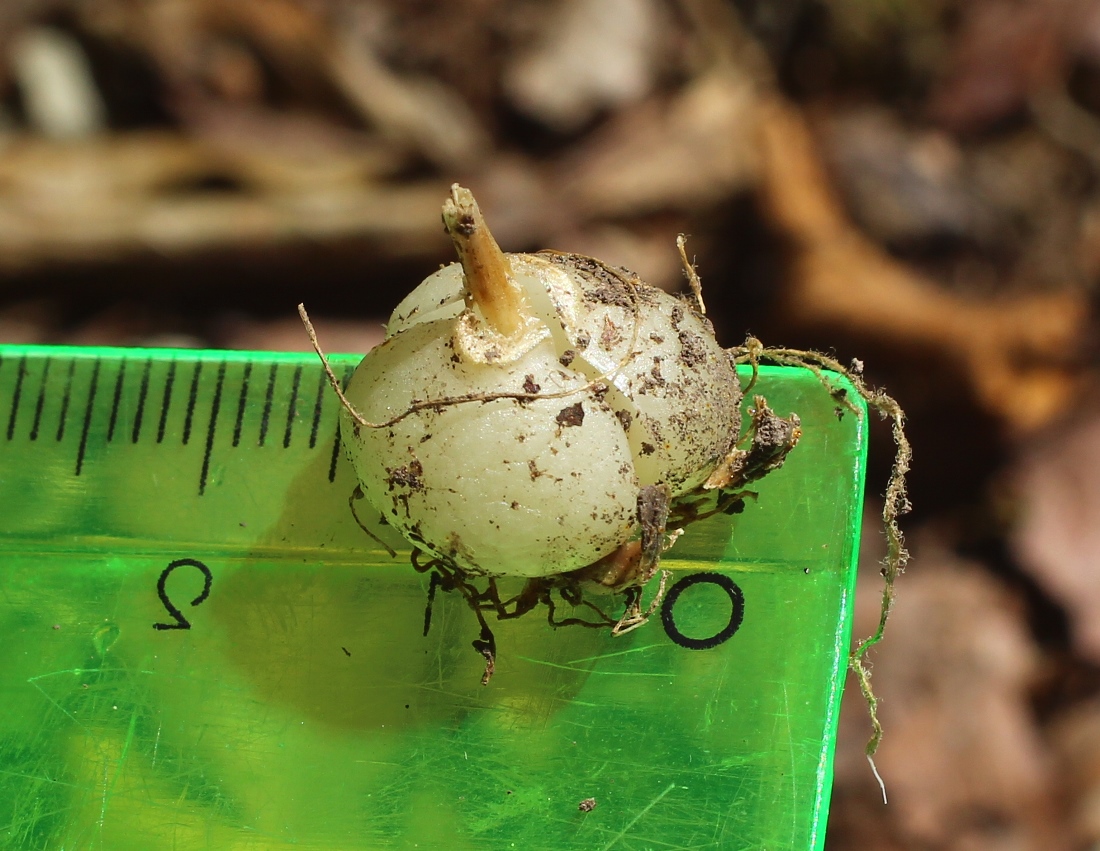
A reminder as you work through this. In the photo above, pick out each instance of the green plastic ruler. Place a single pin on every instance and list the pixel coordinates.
(202, 650)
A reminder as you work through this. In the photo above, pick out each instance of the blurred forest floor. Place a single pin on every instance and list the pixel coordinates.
(913, 183)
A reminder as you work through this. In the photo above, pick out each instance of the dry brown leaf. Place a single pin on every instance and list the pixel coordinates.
(320, 63)
(1012, 351)
(1057, 537)
(592, 55)
(683, 154)
(1004, 52)
(953, 676)
(1076, 738)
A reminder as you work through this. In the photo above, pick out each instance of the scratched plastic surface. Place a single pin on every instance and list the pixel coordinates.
(303, 708)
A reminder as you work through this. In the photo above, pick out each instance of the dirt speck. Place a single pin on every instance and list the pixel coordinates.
(692, 350)
(573, 415)
(407, 475)
(611, 336)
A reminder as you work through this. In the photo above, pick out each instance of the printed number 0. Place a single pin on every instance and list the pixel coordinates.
(181, 621)
(737, 612)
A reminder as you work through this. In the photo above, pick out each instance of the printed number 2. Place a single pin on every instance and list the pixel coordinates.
(181, 621)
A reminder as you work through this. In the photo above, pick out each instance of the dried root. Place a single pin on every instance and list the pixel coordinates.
(896, 502)
(548, 591)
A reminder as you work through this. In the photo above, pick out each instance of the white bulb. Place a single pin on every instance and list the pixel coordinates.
(525, 455)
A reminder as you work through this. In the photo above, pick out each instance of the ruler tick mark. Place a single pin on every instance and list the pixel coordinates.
(191, 402)
(41, 399)
(318, 405)
(142, 395)
(335, 455)
(166, 401)
(20, 372)
(292, 408)
(267, 403)
(88, 408)
(115, 400)
(241, 403)
(212, 428)
(65, 401)
(348, 370)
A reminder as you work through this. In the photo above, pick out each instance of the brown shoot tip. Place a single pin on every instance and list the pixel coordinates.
(487, 271)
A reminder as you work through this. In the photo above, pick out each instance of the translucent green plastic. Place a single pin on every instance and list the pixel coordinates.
(302, 707)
